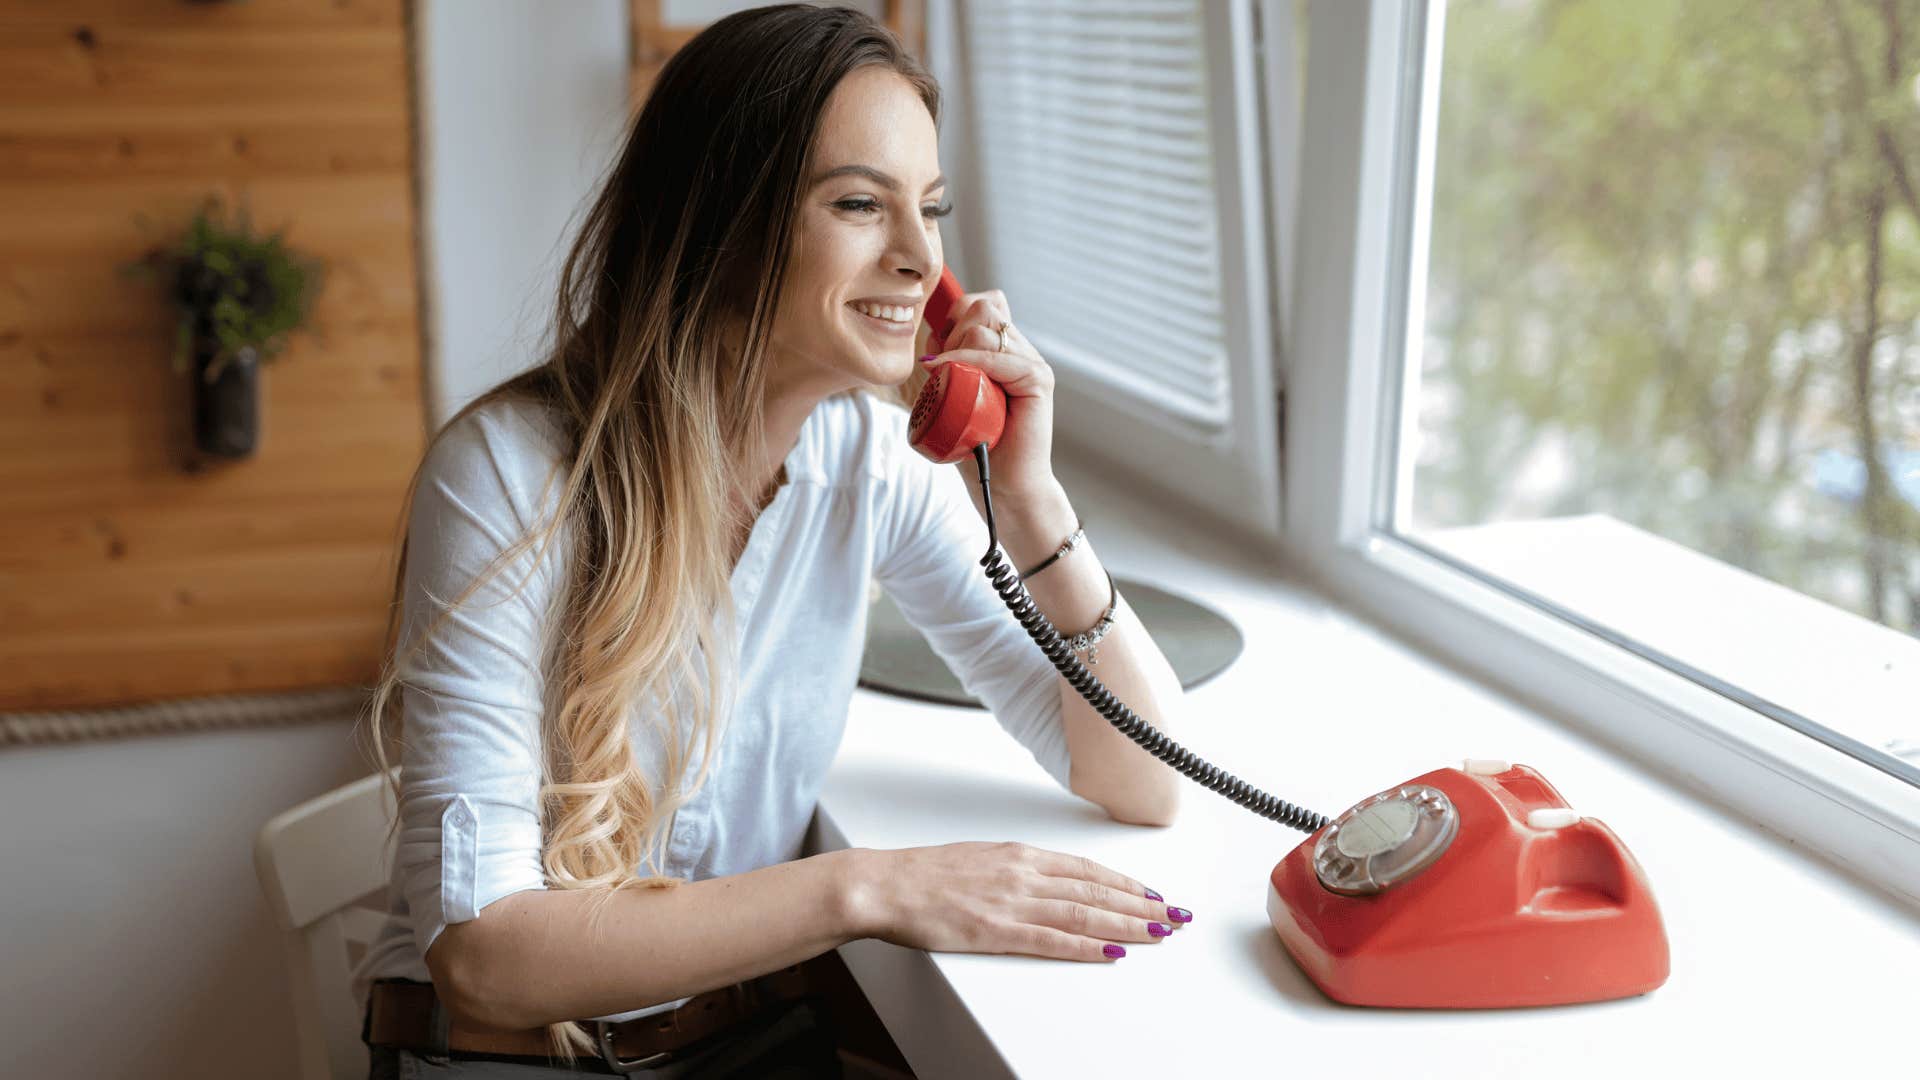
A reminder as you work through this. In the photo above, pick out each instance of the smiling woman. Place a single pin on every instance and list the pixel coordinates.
(631, 599)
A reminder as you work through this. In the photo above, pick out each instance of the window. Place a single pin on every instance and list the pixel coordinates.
(1112, 152)
(1672, 296)
(1607, 377)
(1101, 180)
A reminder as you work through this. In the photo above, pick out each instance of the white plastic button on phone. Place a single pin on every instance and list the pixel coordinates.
(1484, 766)
(1552, 817)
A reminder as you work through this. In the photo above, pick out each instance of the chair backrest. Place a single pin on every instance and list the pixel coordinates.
(314, 861)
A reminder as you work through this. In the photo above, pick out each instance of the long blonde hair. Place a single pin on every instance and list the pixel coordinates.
(658, 395)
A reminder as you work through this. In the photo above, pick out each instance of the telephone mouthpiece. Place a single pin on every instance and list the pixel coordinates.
(958, 409)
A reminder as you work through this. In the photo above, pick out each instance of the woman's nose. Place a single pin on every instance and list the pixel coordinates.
(916, 249)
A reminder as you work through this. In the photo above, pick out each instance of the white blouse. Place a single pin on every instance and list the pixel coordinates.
(859, 506)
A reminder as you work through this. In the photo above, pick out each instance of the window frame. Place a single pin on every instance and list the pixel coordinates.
(1364, 194)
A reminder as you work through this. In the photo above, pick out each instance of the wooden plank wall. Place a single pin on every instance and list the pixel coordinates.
(130, 571)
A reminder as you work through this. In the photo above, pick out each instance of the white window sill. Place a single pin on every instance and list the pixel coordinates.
(1848, 673)
(1773, 951)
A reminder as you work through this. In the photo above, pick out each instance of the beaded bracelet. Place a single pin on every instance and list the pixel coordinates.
(1090, 640)
(1073, 539)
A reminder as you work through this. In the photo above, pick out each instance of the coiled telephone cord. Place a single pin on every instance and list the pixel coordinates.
(1006, 582)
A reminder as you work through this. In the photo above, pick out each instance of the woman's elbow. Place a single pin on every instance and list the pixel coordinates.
(1160, 812)
(470, 982)
(1156, 803)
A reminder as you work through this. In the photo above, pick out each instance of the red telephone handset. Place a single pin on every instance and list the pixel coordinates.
(959, 407)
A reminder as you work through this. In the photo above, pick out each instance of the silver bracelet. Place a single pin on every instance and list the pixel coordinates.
(1072, 541)
(1089, 640)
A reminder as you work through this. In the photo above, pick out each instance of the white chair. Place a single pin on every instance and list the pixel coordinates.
(314, 861)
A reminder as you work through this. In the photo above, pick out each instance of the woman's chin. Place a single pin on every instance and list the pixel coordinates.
(888, 369)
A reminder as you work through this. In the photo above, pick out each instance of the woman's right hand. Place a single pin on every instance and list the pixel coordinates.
(1004, 898)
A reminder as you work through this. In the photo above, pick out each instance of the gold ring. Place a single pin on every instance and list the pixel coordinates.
(1003, 337)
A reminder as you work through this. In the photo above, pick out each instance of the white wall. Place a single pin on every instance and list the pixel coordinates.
(525, 104)
(133, 938)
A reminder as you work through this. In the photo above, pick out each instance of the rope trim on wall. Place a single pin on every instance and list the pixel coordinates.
(346, 703)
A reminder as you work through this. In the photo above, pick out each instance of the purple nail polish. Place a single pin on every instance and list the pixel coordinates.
(1114, 952)
(1151, 895)
(927, 359)
(1179, 914)
(1159, 929)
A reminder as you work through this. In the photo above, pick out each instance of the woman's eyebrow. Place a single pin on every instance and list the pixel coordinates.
(872, 174)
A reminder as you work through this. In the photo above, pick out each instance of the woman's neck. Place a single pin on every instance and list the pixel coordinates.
(784, 411)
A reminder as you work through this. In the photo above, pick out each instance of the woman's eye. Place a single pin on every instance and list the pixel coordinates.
(865, 205)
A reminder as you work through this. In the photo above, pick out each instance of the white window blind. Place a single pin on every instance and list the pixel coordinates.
(1095, 148)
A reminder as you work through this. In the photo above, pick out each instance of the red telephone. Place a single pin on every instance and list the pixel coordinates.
(1464, 888)
(959, 407)
(1468, 888)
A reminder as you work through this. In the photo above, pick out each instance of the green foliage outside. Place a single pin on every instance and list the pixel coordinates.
(1675, 270)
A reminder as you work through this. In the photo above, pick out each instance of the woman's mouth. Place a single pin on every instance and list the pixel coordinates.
(887, 320)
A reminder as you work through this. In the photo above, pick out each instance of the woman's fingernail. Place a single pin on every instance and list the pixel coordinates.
(1179, 914)
(1151, 895)
(1114, 952)
(1159, 929)
(928, 359)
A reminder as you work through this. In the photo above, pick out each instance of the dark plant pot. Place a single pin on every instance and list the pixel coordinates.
(226, 411)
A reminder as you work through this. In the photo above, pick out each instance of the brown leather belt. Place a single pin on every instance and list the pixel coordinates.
(407, 1015)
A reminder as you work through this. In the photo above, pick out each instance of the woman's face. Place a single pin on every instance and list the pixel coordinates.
(863, 237)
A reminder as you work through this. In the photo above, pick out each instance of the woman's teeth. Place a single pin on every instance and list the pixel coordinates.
(889, 312)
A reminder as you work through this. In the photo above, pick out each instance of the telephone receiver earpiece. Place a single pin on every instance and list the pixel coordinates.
(959, 407)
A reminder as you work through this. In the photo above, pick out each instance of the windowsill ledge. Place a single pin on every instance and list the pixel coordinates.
(1849, 673)
(1773, 950)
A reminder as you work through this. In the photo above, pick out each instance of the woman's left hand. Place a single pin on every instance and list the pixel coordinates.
(1023, 460)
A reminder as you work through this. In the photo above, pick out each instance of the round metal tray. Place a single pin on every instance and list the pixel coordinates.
(1198, 641)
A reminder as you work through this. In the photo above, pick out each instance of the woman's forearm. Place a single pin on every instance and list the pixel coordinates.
(541, 956)
(1107, 768)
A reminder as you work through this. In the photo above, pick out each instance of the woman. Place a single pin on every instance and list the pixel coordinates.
(633, 589)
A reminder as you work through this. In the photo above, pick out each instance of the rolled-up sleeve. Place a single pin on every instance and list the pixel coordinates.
(473, 691)
(928, 561)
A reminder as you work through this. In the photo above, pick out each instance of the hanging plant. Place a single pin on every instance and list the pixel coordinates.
(238, 296)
